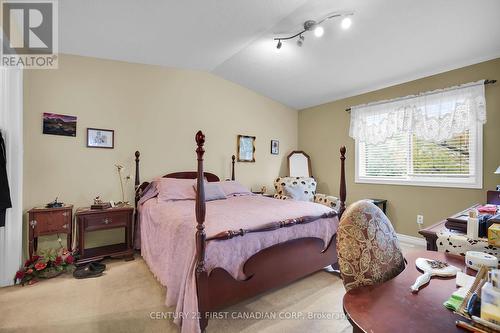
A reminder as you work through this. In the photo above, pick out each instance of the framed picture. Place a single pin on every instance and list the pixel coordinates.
(59, 124)
(100, 138)
(246, 148)
(275, 147)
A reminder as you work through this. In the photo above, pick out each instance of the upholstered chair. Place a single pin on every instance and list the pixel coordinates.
(304, 189)
(367, 246)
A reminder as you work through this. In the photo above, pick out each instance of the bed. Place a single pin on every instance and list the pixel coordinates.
(242, 246)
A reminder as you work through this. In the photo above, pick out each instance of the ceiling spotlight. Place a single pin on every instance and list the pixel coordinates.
(300, 41)
(346, 23)
(319, 31)
(312, 25)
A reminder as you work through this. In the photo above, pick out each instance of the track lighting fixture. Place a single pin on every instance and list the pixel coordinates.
(315, 26)
(300, 41)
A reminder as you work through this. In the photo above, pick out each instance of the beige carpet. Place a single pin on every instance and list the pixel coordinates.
(125, 298)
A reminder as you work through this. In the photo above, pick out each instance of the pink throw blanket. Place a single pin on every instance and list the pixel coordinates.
(168, 240)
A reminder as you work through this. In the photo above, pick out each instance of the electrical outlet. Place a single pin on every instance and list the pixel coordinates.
(420, 219)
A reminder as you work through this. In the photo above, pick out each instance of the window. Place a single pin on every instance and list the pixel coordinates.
(435, 142)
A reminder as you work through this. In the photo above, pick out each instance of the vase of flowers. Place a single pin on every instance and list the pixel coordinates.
(50, 263)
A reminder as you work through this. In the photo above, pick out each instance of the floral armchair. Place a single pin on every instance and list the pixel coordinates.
(303, 189)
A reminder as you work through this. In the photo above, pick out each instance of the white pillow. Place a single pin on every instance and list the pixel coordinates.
(299, 192)
(232, 187)
(176, 189)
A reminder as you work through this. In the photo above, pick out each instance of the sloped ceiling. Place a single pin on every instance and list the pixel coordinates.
(390, 41)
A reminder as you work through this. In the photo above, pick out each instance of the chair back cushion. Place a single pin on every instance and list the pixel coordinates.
(297, 188)
(368, 249)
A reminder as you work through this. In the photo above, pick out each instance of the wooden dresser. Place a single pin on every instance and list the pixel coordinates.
(89, 220)
(49, 221)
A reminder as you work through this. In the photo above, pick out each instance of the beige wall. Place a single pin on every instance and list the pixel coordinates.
(153, 109)
(322, 129)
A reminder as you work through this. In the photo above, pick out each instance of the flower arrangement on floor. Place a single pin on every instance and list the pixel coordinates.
(50, 263)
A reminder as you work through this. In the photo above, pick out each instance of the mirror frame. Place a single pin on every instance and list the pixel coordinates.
(302, 153)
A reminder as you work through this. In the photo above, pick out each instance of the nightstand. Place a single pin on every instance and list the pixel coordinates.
(49, 221)
(104, 219)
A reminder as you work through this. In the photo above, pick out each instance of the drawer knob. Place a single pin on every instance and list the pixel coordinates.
(106, 221)
(65, 226)
(33, 224)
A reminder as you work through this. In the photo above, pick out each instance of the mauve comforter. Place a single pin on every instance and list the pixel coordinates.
(167, 231)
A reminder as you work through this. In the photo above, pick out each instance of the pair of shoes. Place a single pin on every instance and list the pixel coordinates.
(94, 269)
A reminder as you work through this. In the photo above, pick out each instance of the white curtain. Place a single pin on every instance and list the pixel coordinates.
(433, 116)
(11, 125)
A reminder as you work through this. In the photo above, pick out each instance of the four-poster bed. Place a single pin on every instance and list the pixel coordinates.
(270, 267)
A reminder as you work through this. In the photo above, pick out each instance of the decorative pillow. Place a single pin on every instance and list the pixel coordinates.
(367, 246)
(213, 191)
(298, 192)
(176, 189)
(306, 184)
(327, 200)
(232, 187)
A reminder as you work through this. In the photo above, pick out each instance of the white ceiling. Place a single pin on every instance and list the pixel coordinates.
(390, 41)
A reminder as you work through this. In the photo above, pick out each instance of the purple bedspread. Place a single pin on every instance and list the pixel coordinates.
(167, 235)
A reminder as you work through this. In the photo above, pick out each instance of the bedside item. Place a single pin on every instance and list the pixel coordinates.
(119, 169)
(111, 218)
(49, 221)
(99, 204)
(59, 124)
(54, 204)
(100, 138)
(275, 147)
(432, 268)
(475, 259)
(494, 234)
(487, 209)
(246, 148)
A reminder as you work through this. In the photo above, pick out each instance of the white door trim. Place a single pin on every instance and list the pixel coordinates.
(11, 125)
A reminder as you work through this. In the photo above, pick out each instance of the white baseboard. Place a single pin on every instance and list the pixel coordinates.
(412, 241)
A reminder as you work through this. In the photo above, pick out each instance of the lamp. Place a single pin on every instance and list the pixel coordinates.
(315, 26)
(497, 172)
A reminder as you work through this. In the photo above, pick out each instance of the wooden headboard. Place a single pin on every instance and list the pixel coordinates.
(210, 177)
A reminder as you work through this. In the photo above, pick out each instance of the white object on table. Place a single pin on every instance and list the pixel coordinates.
(424, 265)
(475, 259)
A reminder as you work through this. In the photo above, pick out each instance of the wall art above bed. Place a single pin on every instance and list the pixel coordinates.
(246, 148)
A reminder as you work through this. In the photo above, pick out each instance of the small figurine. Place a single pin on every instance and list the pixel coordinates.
(54, 204)
(97, 200)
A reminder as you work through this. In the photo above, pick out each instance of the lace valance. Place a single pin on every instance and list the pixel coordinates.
(434, 116)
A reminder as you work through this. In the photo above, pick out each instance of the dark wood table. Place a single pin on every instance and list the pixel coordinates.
(391, 306)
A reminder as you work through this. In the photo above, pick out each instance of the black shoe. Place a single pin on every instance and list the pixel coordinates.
(97, 266)
(86, 272)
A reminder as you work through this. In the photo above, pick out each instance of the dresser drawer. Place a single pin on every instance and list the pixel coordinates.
(106, 220)
(47, 223)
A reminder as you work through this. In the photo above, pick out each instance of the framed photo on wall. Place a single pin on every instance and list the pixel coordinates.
(246, 148)
(275, 147)
(59, 124)
(100, 138)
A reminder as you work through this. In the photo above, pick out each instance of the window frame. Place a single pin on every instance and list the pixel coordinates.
(474, 182)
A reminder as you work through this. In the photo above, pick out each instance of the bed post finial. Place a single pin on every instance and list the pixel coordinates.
(137, 180)
(342, 191)
(200, 205)
(232, 167)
